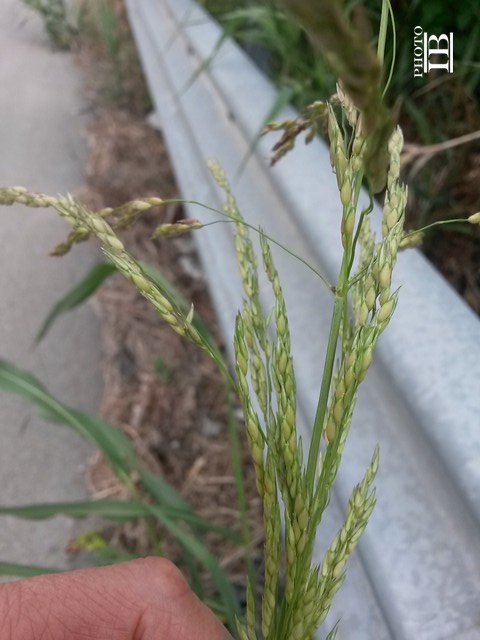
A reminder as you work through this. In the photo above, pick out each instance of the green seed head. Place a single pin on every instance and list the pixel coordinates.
(385, 276)
(370, 298)
(330, 431)
(412, 240)
(386, 310)
(474, 219)
(346, 193)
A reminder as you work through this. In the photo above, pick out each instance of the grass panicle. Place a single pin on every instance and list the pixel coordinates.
(332, 569)
(263, 352)
(297, 591)
(85, 222)
(264, 360)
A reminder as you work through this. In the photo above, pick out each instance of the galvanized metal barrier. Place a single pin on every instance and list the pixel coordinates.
(416, 575)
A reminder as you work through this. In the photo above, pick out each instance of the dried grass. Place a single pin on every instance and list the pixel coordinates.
(176, 418)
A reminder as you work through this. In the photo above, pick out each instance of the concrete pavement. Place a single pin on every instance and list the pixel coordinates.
(41, 147)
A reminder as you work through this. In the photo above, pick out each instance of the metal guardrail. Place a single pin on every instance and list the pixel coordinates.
(416, 575)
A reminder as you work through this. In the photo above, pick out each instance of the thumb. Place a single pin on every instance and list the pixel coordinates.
(146, 599)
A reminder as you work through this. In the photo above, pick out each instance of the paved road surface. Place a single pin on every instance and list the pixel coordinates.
(41, 147)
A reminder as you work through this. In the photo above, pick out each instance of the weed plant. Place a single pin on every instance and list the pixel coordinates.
(438, 109)
(280, 47)
(294, 485)
(292, 56)
(104, 32)
(59, 27)
(102, 28)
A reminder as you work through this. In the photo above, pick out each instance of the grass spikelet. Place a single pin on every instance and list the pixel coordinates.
(246, 257)
(284, 379)
(308, 590)
(251, 632)
(332, 569)
(241, 632)
(303, 615)
(271, 514)
(474, 218)
(20, 195)
(85, 222)
(176, 228)
(291, 557)
(256, 438)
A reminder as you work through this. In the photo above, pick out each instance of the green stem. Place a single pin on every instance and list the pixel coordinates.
(253, 228)
(339, 309)
(337, 316)
(364, 213)
(393, 49)
(382, 35)
(435, 224)
(235, 451)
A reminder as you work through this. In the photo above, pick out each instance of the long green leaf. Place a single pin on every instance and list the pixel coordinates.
(175, 506)
(111, 441)
(117, 510)
(121, 510)
(76, 296)
(193, 546)
(96, 277)
(162, 491)
(24, 570)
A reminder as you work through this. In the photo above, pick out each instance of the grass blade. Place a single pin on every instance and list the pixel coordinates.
(24, 570)
(119, 510)
(174, 505)
(163, 492)
(197, 550)
(76, 296)
(111, 441)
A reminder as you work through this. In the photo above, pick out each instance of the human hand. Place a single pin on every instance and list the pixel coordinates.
(146, 599)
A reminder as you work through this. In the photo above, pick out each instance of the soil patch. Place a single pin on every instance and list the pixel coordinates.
(165, 393)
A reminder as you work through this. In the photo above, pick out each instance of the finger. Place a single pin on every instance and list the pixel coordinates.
(146, 599)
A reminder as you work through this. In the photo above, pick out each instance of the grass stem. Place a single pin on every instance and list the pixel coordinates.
(337, 316)
(235, 450)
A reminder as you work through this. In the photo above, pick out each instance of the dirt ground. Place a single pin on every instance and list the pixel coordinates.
(165, 393)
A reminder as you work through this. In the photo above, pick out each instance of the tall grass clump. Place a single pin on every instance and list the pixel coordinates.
(294, 485)
(104, 32)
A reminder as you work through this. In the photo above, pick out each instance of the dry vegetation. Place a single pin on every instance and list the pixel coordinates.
(166, 394)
